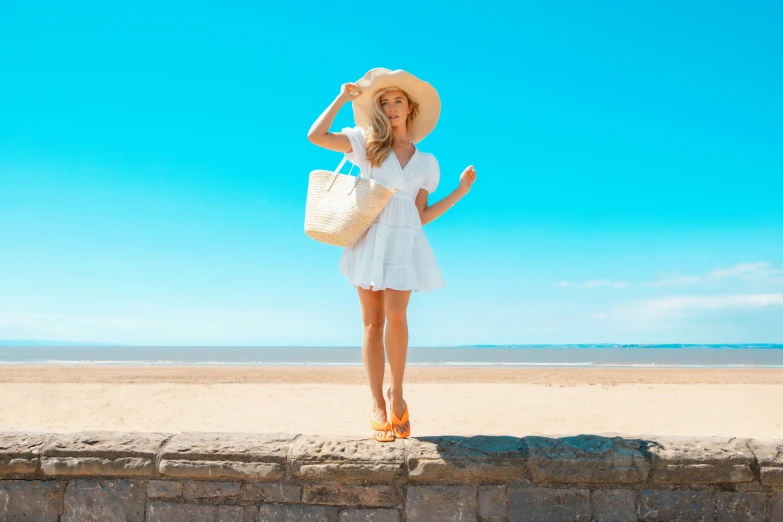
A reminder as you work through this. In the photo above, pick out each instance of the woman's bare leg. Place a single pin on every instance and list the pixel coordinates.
(372, 304)
(396, 309)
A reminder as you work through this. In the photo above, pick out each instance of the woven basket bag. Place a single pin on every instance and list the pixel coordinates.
(340, 207)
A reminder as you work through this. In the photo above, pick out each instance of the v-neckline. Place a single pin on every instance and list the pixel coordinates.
(402, 169)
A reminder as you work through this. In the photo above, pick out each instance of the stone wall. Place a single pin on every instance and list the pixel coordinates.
(157, 477)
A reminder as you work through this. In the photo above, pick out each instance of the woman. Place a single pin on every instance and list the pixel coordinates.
(392, 111)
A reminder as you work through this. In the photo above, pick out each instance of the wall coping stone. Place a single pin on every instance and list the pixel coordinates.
(465, 459)
(226, 455)
(694, 460)
(587, 458)
(19, 453)
(769, 455)
(101, 453)
(347, 458)
(718, 463)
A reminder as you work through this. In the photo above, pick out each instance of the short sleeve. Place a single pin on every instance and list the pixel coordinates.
(358, 154)
(432, 175)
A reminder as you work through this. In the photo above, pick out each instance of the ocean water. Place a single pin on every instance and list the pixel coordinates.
(509, 356)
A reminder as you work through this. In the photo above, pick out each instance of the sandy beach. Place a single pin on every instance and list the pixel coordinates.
(453, 401)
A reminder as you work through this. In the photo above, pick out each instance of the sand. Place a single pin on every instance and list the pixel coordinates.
(443, 401)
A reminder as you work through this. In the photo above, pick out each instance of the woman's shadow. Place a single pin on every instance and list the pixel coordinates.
(580, 458)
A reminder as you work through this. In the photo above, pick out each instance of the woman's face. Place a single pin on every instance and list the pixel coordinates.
(395, 107)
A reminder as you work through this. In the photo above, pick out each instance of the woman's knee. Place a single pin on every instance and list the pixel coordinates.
(374, 323)
(396, 317)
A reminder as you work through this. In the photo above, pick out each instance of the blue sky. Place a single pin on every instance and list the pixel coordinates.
(154, 167)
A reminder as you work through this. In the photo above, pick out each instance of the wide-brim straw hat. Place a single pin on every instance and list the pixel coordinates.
(420, 91)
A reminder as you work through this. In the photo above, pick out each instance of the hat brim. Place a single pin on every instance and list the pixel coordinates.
(420, 91)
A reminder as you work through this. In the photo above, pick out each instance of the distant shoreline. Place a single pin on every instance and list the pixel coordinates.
(517, 357)
(67, 344)
(516, 366)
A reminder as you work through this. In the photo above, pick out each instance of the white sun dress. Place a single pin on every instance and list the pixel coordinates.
(394, 252)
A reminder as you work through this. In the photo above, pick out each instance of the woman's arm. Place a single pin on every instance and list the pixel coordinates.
(319, 133)
(430, 212)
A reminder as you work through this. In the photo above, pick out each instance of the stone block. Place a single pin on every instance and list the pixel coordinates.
(172, 512)
(271, 492)
(164, 489)
(106, 500)
(210, 490)
(379, 495)
(30, 500)
(96, 467)
(225, 455)
(453, 503)
(237, 513)
(769, 454)
(452, 459)
(548, 505)
(776, 508)
(369, 515)
(493, 502)
(101, 453)
(741, 507)
(294, 513)
(586, 458)
(708, 460)
(347, 458)
(613, 505)
(19, 452)
(676, 506)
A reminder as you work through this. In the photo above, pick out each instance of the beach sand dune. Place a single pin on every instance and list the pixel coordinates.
(443, 401)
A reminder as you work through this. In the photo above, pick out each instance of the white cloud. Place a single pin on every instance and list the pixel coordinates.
(598, 317)
(653, 311)
(756, 273)
(758, 270)
(595, 283)
(715, 302)
(675, 280)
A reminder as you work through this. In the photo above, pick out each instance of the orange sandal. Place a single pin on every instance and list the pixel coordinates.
(383, 426)
(399, 422)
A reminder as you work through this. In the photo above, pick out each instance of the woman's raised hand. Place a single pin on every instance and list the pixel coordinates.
(349, 91)
(467, 178)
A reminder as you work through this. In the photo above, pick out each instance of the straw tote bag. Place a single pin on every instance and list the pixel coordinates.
(340, 207)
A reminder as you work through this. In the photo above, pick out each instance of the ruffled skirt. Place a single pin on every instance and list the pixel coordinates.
(394, 253)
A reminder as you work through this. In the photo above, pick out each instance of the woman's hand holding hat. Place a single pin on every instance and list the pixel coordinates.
(349, 91)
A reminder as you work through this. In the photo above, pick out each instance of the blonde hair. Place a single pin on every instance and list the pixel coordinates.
(380, 142)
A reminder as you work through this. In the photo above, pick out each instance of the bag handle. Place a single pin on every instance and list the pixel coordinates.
(337, 171)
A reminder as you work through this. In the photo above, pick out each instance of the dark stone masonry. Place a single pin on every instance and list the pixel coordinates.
(247, 477)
